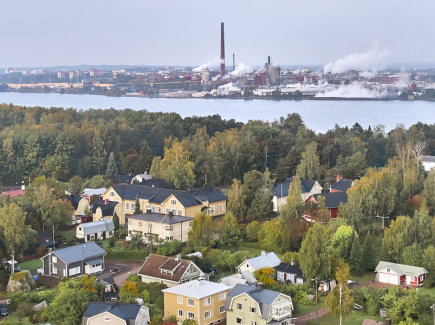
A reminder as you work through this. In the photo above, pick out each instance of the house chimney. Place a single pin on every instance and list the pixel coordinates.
(148, 211)
(293, 262)
(260, 286)
(106, 201)
(339, 176)
(178, 257)
(263, 253)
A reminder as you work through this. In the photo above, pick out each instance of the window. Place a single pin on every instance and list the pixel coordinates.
(173, 202)
(153, 208)
(74, 270)
(54, 259)
(132, 206)
(190, 315)
(129, 222)
(190, 302)
(127, 205)
(112, 193)
(190, 224)
(140, 224)
(207, 314)
(180, 313)
(239, 306)
(207, 301)
(221, 309)
(179, 212)
(159, 209)
(252, 309)
(238, 320)
(169, 238)
(180, 301)
(421, 277)
(169, 228)
(211, 210)
(221, 207)
(253, 323)
(83, 204)
(150, 225)
(222, 296)
(147, 207)
(83, 212)
(107, 319)
(54, 269)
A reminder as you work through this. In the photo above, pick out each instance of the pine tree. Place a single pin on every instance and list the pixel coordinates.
(385, 254)
(112, 170)
(137, 209)
(368, 261)
(355, 255)
(145, 159)
(116, 221)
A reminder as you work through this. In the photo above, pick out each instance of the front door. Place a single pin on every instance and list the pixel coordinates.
(104, 235)
(88, 238)
(285, 277)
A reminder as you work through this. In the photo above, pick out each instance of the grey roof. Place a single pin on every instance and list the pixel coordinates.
(95, 260)
(97, 226)
(158, 195)
(125, 179)
(333, 200)
(269, 259)
(160, 218)
(123, 311)
(342, 185)
(281, 189)
(263, 297)
(93, 191)
(401, 269)
(246, 278)
(107, 278)
(107, 210)
(74, 253)
(159, 183)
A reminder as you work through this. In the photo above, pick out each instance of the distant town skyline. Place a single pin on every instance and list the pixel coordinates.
(187, 33)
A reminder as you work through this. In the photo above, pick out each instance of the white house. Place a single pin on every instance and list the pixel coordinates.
(96, 230)
(428, 162)
(259, 262)
(280, 191)
(400, 274)
(141, 177)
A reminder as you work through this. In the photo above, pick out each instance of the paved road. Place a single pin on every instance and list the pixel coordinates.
(305, 318)
(126, 270)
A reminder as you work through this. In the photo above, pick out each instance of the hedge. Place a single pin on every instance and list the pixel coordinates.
(126, 254)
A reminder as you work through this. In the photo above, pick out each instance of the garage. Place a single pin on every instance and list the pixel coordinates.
(393, 279)
(383, 278)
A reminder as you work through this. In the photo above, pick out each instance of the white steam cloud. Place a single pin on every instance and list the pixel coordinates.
(369, 62)
(214, 62)
(240, 70)
(354, 90)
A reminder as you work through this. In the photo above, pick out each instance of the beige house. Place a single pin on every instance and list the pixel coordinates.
(248, 305)
(168, 270)
(96, 230)
(80, 205)
(105, 209)
(280, 191)
(162, 200)
(114, 313)
(200, 300)
(165, 226)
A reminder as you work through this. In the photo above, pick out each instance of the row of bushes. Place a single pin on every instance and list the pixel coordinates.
(32, 296)
(127, 254)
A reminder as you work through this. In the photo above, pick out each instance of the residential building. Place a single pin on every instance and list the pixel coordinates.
(89, 192)
(79, 203)
(139, 178)
(115, 314)
(72, 74)
(200, 300)
(342, 185)
(93, 72)
(125, 179)
(428, 162)
(332, 202)
(109, 291)
(168, 270)
(247, 305)
(162, 200)
(74, 261)
(400, 274)
(280, 191)
(159, 225)
(259, 262)
(158, 183)
(61, 74)
(105, 209)
(289, 272)
(245, 278)
(97, 230)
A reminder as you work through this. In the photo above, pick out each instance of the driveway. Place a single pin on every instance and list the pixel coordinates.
(305, 318)
(126, 269)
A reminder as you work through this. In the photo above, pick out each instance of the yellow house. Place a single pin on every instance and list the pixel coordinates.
(200, 300)
(80, 205)
(162, 200)
(104, 209)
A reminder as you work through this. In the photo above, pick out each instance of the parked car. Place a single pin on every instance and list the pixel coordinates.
(3, 310)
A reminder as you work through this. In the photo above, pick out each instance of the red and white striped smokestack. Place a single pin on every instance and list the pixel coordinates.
(222, 50)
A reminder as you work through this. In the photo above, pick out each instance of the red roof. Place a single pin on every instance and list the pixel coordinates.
(13, 193)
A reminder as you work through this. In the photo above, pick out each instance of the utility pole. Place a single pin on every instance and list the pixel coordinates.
(341, 315)
(83, 271)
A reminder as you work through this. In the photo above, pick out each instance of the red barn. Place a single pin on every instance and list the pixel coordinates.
(400, 274)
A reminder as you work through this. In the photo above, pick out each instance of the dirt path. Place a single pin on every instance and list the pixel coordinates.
(305, 318)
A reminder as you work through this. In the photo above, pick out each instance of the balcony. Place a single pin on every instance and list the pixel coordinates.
(281, 309)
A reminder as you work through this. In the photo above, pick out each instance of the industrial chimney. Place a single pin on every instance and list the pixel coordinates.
(222, 50)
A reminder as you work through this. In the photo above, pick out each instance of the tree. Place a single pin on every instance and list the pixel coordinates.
(265, 275)
(155, 167)
(200, 235)
(145, 159)
(116, 220)
(229, 236)
(396, 237)
(412, 255)
(291, 211)
(368, 261)
(112, 170)
(128, 292)
(99, 153)
(252, 230)
(137, 209)
(339, 301)
(289, 257)
(44, 203)
(429, 190)
(262, 205)
(309, 167)
(314, 255)
(176, 167)
(272, 234)
(76, 185)
(341, 242)
(428, 259)
(355, 255)
(236, 200)
(12, 220)
(97, 181)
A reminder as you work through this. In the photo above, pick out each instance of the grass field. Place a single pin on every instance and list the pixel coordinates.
(32, 265)
(252, 250)
(225, 191)
(355, 319)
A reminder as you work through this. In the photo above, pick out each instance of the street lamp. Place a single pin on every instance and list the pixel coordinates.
(317, 310)
(83, 270)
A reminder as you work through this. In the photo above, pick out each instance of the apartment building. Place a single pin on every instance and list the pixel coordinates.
(200, 300)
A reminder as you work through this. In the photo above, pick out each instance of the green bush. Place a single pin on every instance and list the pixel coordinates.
(24, 309)
(134, 278)
(169, 248)
(126, 254)
(428, 282)
(112, 242)
(372, 308)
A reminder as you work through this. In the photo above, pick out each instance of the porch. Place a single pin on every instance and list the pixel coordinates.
(281, 309)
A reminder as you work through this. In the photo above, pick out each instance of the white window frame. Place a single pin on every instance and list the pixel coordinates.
(252, 309)
(253, 322)
(211, 210)
(180, 313)
(74, 271)
(222, 296)
(140, 223)
(239, 305)
(127, 205)
(192, 301)
(132, 206)
(179, 212)
(207, 301)
(241, 320)
(167, 210)
(54, 269)
(119, 209)
(54, 259)
(153, 208)
(190, 315)
(159, 209)
(147, 207)
(112, 193)
(209, 314)
(173, 202)
(180, 300)
(221, 309)
(129, 222)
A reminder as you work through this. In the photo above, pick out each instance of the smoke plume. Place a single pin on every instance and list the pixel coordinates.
(354, 90)
(212, 63)
(240, 70)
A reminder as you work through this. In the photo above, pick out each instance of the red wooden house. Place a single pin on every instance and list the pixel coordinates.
(400, 274)
(332, 202)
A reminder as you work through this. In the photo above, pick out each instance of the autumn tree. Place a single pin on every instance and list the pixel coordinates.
(128, 292)
(229, 235)
(200, 235)
(396, 237)
(309, 167)
(236, 200)
(252, 230)
(272, 235)
(265, 275)
(342, 241)
(155, 167)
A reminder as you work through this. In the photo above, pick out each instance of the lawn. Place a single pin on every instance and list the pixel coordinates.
(430, 292)
(32, 265)
(14, 317)
(225, 191)
(363, 277)
(301, 309)
(355, 319)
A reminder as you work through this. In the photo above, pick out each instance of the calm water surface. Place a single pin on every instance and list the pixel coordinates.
(319, 115)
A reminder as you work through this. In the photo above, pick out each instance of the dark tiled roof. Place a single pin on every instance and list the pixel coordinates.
(74, 253)
(74, 200)
(152, 265)
(333, 200)
(123, 311)
(160, 218)
(288, 268)
(158, 195)
(342, 185)
(106, 209)
(281, 189)
(159, 183)
(125, 179)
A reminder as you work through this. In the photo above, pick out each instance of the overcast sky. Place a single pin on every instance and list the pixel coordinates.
(187, 32)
